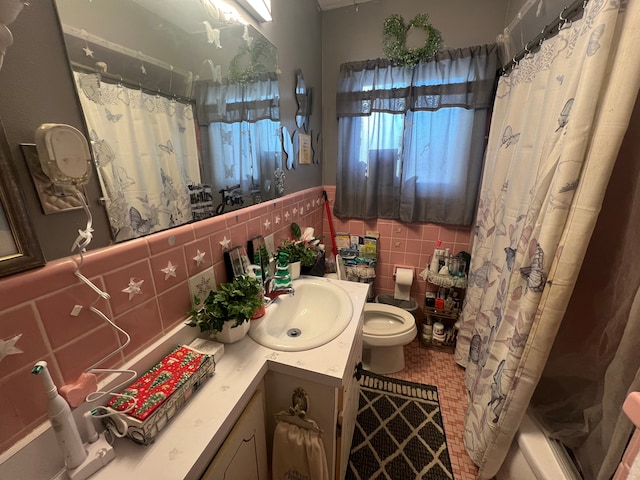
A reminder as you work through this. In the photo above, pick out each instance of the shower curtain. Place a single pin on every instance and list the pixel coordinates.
(582, 407)
(146, 153)
(558, 122)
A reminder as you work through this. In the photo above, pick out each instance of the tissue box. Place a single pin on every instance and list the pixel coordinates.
(161, 392)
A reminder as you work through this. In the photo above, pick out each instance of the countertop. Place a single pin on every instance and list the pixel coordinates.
(184, 448)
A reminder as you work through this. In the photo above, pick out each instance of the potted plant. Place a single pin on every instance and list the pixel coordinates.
(226, 311)
(302, 248)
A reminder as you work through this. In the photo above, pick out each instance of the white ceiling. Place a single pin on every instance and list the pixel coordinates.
(331, 4)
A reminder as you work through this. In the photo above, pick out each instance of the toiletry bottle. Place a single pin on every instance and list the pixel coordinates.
(282, 277)
(62, 420)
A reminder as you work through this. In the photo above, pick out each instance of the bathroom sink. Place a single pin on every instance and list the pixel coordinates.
(317, 313)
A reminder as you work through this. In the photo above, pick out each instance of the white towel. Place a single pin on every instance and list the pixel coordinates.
(298, 454)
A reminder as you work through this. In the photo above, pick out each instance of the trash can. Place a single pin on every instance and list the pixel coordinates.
(410, 305)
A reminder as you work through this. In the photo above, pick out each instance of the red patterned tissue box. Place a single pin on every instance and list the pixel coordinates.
(161, 392)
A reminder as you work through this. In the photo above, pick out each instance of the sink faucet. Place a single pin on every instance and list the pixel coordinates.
(272, 289)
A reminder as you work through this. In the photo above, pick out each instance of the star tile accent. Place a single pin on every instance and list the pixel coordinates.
(8, 347)
(225, 243)
(277, 219)
(134, 288)
(295, 211)
(169, 270)
(199, 258)
(203, 287)
(88, 52)
(287, 215)
(267, 224)
(309, 205)
(301, 210)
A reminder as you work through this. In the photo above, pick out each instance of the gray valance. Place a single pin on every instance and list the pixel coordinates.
(463, 78)
(222, 102)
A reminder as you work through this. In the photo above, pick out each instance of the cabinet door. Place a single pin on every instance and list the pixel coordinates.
(243, 455)
(348, 408)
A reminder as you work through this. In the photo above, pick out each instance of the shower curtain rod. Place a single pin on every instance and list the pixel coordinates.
(567, 15)
(129, 83)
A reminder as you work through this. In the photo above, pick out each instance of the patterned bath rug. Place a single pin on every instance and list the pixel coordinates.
(399, 433)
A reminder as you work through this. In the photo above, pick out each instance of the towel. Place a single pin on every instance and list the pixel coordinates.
(298, 454)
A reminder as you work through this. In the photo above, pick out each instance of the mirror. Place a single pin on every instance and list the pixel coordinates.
(19, 247)
(303, 100)
(181, 102)
(287, 147)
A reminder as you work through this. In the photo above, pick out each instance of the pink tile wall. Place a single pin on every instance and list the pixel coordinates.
(406, 244)
(37, 304)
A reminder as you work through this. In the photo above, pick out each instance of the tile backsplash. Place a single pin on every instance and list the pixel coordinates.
(37, 304)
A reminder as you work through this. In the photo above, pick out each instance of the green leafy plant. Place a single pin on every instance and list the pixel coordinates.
(394, 41)
(235, 301)
(299, 249)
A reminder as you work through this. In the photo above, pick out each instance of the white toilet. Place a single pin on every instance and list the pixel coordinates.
(387, 329)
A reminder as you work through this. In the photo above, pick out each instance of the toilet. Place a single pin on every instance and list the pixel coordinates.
(387, 329)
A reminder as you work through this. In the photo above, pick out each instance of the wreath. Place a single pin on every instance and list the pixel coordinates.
(395, 39)
(246, 66)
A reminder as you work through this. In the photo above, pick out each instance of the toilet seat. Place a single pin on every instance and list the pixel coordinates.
(386, 325)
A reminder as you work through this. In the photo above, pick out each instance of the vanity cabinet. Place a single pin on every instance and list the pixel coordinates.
(243, 455)
(332, 407)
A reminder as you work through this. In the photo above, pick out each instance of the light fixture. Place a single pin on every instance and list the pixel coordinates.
(259, 9)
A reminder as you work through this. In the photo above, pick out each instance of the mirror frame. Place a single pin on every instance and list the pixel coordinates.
(28, 253)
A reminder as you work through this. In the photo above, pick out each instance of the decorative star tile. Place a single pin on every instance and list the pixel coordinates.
(287, 216)
(203, 287)
(199, 258)
(225, 243)
(267, 224)
(143, 69)
(169, 270)
(7, 347)
(309, 205)
(277, 219)
(295, 211)
(88, 52)
(301, 210)
(134, 288)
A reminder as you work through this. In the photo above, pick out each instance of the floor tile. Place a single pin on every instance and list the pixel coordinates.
(423, 365)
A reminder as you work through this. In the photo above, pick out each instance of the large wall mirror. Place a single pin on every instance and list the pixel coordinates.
(181, 102)
(19, 247)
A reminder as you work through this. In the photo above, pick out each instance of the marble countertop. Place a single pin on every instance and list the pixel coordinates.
(184, 448)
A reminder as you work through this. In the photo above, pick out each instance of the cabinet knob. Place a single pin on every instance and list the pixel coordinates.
(358, 372)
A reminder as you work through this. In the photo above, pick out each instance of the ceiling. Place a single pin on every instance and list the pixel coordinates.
(331, 4)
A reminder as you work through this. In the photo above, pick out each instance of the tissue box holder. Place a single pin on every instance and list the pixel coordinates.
(161, 392)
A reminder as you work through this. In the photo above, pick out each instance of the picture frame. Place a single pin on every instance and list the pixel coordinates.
(304, 149)
(19, 246)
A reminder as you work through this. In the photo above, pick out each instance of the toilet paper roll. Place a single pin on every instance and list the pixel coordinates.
(404, 279)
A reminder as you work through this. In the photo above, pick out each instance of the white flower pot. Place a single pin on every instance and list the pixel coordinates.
(294, 270)
(232, 335)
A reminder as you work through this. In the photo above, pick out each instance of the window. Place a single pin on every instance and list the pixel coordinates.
(411, 140)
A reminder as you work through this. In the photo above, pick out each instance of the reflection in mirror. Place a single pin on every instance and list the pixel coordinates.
(181, 102)
(287, 147)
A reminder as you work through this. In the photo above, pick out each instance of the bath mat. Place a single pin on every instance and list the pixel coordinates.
(399, 433)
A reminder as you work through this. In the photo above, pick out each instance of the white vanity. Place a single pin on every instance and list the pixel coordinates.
(216, 418)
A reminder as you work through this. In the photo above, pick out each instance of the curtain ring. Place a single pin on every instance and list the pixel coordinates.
(566, 23)
(527, 52)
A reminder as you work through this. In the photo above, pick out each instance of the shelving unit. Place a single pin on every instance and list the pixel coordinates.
(448, 319)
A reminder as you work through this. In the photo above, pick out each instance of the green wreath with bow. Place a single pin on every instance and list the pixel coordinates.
(394, 41)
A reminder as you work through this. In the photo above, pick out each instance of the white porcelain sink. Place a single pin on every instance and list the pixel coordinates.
(317, 313)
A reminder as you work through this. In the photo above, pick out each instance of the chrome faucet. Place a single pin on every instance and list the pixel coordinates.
(272, 290)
